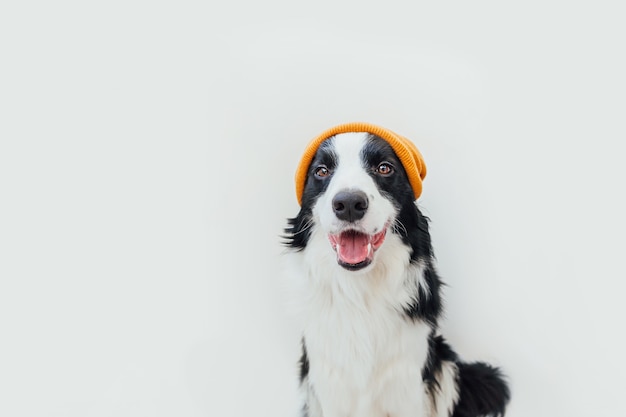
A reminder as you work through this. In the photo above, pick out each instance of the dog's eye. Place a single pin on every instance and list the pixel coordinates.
(321, 171)
(385, 169)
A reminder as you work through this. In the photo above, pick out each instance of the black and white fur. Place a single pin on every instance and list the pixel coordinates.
(370, 345)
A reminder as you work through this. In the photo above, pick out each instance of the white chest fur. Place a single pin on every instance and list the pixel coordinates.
(368, 366)
(365, 356)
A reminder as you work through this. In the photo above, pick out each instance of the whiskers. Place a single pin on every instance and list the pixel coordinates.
(306, 226)
(297, 234)
(399, 228)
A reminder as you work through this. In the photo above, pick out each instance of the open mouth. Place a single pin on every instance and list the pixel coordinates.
(355, 250)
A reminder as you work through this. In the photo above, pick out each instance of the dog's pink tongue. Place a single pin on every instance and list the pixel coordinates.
(353, 247)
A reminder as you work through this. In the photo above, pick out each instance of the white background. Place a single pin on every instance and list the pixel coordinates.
(146, 164)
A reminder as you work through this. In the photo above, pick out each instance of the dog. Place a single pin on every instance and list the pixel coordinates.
(362, 263)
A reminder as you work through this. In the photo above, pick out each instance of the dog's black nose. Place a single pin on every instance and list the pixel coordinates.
(350, 205)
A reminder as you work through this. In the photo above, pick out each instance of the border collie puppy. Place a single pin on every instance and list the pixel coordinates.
(363, 266)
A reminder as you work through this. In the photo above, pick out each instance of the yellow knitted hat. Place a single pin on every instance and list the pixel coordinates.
(406, 151)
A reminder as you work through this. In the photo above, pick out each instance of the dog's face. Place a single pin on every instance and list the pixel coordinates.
(355, 190)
